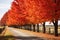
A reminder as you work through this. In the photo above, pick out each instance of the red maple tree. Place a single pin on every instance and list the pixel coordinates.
(34, 12)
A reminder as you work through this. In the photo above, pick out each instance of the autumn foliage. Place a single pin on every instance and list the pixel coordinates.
(4, 19)
(31, 12)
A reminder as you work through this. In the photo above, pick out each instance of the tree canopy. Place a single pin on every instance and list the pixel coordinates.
(32, 12)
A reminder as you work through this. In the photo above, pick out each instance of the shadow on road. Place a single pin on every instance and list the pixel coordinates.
(24, 38)
(19, 38)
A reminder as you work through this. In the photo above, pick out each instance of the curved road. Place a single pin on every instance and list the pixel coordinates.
(23, 36)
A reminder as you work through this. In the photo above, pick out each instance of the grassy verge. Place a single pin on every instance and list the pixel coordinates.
(6, 35)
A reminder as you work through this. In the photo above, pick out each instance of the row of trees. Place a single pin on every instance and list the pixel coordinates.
(24, 12)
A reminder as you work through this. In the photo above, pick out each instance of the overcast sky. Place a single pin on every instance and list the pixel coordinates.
(5, 6)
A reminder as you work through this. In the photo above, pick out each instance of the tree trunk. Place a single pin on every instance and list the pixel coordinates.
(20, 27)
(55, 28)
(34, 28)
(37, 27)
(30, 27)
(44, 29)
(25, 27)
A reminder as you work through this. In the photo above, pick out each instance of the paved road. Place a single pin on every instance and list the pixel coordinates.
(23, 36)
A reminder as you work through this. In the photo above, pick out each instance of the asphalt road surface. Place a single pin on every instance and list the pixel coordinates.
(23, 36)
